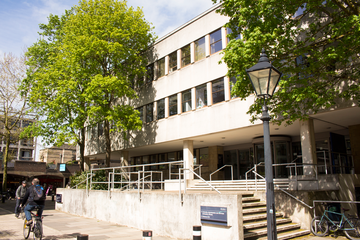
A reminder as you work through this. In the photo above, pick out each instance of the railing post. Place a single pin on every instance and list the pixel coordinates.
(143, 178)
(113, 179)
(91, 174)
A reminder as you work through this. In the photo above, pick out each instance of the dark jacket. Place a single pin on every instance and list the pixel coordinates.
(21, 191)
(28, 195)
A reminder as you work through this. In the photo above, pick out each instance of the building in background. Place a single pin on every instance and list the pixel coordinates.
(54, 155)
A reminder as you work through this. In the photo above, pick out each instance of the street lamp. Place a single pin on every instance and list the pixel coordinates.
(264, 78)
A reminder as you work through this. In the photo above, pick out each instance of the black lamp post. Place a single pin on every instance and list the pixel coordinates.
(264, 78)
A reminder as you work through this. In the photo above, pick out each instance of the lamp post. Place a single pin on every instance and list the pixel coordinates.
(264, 78)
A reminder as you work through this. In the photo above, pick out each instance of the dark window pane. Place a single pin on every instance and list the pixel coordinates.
(161, 109)
(218, 91)
(149, 112)
(215, 41)
(201, 96)
(161, 68)
(186, 101)
(200, 49)
(173, 105)
(173, 62)
(141, 115)
(150, 73)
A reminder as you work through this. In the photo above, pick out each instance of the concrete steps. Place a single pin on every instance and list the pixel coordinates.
(255, 222)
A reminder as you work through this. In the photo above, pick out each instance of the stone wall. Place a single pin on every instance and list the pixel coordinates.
(30, 166)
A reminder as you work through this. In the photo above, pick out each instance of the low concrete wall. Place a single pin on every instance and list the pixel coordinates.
(160, 212)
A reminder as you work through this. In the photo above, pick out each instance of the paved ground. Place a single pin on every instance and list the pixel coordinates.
(63, 226)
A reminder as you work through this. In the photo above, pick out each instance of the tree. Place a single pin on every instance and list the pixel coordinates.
(315, 44)
(82, 73)
(13, 106)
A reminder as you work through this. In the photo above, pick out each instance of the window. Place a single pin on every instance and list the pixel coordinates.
(200, 49)
(149, 73)
(185, 56)
(215, 41)
(173, 105)
(161, 109)
(149, 112)
(303, 63)
(201, 96)
(141, 111)
(186, 101)
(218, 91)
(232, 84)
(229, 31)
(101, 129)
(173, 62)
(161, 68)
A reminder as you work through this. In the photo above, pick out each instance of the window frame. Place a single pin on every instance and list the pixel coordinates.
(149, 108)
(185, 56)
(173, 63)
(184, 102)
(197, 56)
(157, 109)
(216, 41)
(160, 72)
(197, 98)
(218, 91)
(150, 76)
(173, 106)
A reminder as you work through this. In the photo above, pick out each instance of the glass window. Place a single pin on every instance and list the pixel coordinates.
(185, 56)
(229, 31)
(215, 41)
(161, 108)
(141, 113)
(218, 91)
(161, 68)
(173, 62)
(153, 159)
(149, 112)
(200, 49)
(101, 129)
(201, 96)
(232, 84)
(173, 105)
(149, 73)
(186, 101)
(204, 157)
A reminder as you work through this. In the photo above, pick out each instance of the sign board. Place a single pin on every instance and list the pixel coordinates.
(62, 167)
(214, 215)
(59, 198)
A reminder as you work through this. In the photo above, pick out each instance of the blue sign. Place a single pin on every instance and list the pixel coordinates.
(62, 167)
(59, 198)
(214, 215)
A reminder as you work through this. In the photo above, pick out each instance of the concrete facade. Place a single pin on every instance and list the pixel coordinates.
(62, 154)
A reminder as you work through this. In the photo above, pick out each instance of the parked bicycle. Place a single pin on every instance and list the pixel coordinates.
(320, 225)
(35, 227)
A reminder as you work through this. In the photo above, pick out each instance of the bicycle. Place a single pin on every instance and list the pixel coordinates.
(320, 225)
(35, 227)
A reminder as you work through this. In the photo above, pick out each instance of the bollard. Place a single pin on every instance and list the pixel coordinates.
(82, 237)
(196, 232)
(147, 235)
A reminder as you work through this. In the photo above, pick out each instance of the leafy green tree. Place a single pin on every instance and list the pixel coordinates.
(81, 73)
(315, 44)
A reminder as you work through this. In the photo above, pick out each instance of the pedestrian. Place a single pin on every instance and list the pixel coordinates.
(19, 195)
(35, 195)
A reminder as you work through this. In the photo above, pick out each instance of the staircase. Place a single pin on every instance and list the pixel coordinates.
(255, 223)
(239, 185)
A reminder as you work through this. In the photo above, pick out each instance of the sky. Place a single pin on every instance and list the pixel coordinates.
(20, 19)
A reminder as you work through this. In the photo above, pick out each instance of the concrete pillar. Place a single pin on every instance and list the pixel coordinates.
(86, 164)
(308, 147)
(178, 58)
(166, 107)
(167, 65)
(188, 150)
(193, 98)
(192, 52)
(179, 103)
(124, 159)
(354, 133)
(207, 45)
(223, 37)
(209, 93)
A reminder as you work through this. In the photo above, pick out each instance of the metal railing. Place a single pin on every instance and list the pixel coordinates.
(232, 171)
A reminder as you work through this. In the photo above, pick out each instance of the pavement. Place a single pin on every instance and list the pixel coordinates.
(64, 226)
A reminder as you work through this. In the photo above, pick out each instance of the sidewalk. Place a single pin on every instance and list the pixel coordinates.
(63, 226)
(59, 225)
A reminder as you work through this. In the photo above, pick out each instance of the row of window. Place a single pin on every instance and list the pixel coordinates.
(157, 110)
(170, 63)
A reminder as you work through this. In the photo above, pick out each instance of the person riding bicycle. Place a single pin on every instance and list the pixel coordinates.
(35, 195)
(19, 195)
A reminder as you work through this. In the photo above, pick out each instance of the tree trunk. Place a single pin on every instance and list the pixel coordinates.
(81, 144)
(107, 142)
(5, 160)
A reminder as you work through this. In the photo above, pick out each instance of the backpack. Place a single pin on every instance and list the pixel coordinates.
(38, 193)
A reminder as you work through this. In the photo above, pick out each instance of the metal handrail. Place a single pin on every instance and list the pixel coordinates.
(232, 171)
(188, 169)
(250, 170)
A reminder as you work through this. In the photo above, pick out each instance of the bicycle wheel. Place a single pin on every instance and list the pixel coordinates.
(319, 227)
(354, 232)
(26, 230)
(38, 230)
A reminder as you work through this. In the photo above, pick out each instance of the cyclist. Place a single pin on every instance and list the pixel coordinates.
(33, 200)
(20, 193)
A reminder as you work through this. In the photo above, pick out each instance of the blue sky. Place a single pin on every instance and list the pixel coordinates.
(20, 19)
